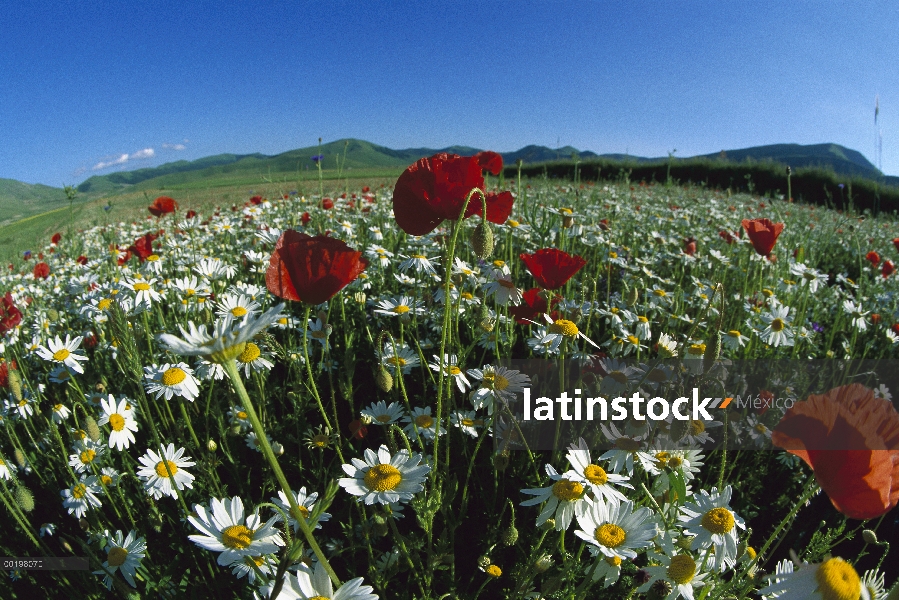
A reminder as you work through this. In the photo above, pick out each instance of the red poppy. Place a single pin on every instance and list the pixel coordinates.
(366, 189)
(358, 430)
(305, 218)
(726, 236)
(311, 269)
(490, 161)
(763, 234)
(552, 268)
(327, 204)
(850, 439)
(191, 214)
(896, 243)
(163, 206)
(690, 246)
(876, 318)
(434, 189)
(873, 258)
(143, 246)
(124, 258)
(41, 270)
(256, 200)
(533, 304)
(55, 239)
(10, 316)
(81, 260)
(887, 268)
(4, 375)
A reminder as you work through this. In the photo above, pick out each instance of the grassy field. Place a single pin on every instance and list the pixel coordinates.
(226, 190)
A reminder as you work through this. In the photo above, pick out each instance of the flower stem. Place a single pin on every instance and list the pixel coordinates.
(231, 369)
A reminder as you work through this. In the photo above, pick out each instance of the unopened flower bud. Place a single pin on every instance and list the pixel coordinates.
(379, 526)
(20, 458)
(484, 561)
(24, 498)
(482, 240)
(510, 536)
(359, 297)
(632, 295)
(684, 542)
(235, 429)
(869, 536)
(100, 387)
(93, 430)
(542, 564)
(712, 352)
(277, 448)
(549, 524)
(83, 523)
(487, 325)
(15, 385)
(384, 379)
(53, 315)
(211, 446)
(567, 221)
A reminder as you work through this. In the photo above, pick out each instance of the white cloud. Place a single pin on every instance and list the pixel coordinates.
(123, 158)
(174, 146)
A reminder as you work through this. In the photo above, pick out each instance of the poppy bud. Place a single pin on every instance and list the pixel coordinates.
(567, 221)
(712, 352)
(631, 296)
(15, 385)
(869, 536)
(93, 430)
(277, 448)
(211, 446)
(24, 498)
(53, 315)
(384, 379)
(482, 240)
(20, 458)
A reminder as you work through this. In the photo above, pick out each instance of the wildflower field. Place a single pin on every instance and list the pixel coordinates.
(323, 396)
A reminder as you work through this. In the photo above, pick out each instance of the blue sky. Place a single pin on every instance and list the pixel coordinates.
(91, 87)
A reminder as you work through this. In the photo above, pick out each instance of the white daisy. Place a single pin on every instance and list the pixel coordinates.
(712, 523)
(400, 306)
(421, 423)
(81, 497)
(833, 578)
(597, 479)
(561, 498)
(64, 352)
(121, 419)
(381, 413)
(123, 555)
(226, 530)
(496, 383)
(449, 367)
(679, 574)
(237, 306)
(615, 528)
(156, 468)
(314, 584)
(171, 380)
(306, 502)
(384, 478)
(253, 360)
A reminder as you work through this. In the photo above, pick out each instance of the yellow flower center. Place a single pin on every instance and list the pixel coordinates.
(767, 293)
(104, 303)
(383, 478)
(564, 327)
(675, 462)
(282, 321)
(467, 296)
(682, 569)
(696, 427)
(396, 361)
(566, 211)
(241, 415)
(610, 535)
(87, 456)
(61, 354)
(22, 403)
(777, 325)
(454, 370)
(760, 428)
(117, 422)
(424, 421)
(173, 376)
(116, 556)
(659, 293)
(382, 418)
(153, 257)
(614, 561)
(79, 491)
(662, 458)
(494, 571)
(304, 512)
(250, 353)
(237, 537)
(837, 580)
(499, 263)
(160, 468)
(718, 520)
(633, 340)
(401, 309)
(190, 291)
(696, 349)
(467, 422)
(596, 475)
(320, 440)
(512, 223)
(642, 319)
(419, 256)
(57, 407)
(238, 311)
(141, 287)
(613, 255)
(734, 333)
(567, 490)
(106, 479)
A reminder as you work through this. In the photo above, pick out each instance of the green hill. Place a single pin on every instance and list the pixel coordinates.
(21, 200)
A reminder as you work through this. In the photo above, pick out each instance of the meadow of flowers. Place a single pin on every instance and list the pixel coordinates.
(311, 397)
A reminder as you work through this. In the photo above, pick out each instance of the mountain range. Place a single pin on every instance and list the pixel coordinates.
(18, 200)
